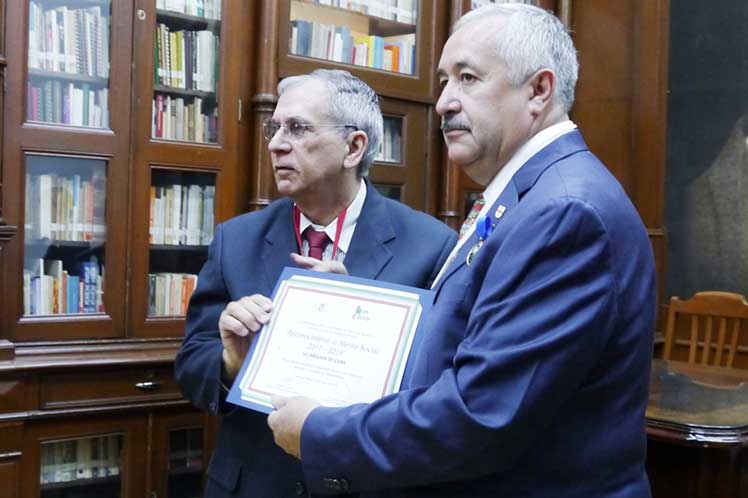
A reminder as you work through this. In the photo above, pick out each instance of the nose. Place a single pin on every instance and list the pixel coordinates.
(448, 101)
(278, 144)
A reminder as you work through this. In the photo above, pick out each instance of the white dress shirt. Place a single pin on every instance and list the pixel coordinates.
(346, 234)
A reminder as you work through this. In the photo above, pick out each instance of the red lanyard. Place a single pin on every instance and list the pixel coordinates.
(338, 230)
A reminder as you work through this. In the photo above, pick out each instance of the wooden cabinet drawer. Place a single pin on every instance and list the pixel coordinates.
(108, 387)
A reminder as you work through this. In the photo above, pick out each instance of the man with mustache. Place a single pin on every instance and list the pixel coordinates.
(323, 136)
(532, 376)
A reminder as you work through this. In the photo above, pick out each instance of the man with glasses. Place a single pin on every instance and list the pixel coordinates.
(323, 136)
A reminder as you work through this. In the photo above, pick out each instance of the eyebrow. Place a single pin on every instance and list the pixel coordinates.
(460, 65)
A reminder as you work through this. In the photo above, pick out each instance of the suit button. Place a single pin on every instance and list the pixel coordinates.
(300, 488)
(212, 407)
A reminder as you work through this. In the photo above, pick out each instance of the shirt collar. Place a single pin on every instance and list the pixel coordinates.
(349, 224)
(525, 152)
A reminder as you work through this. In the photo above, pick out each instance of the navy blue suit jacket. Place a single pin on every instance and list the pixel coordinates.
(391, 242)
(532, 377)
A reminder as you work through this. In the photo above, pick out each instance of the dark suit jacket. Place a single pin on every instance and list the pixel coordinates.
(532, 377)
(391, 242)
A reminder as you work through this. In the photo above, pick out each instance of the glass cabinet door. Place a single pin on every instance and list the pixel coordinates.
(368, 33)
(181, 228)
(64, 236)
(179, 454)
(186, 68)
(185, 468)
(390, 148)
(68, 62)
(83, 467)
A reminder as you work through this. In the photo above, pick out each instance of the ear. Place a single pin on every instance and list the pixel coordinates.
(541, 87)
(356, 144)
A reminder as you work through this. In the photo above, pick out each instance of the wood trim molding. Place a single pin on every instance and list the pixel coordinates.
(563, 11)
(262, 183)
(7, 350)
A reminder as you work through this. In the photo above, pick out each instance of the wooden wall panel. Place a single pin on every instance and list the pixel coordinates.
(621, 105)
(603, 35)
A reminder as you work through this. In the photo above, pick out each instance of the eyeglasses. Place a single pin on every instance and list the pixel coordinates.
(295, 128)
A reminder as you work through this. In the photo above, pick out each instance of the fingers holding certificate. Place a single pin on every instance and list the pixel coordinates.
(337, 339)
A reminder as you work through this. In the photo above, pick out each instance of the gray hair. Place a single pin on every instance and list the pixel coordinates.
(532, 39)
(351, 102)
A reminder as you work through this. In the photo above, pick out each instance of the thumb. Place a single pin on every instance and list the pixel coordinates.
(278, 401)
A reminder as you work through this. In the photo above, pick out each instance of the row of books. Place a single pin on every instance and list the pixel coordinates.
(68, 39)
(186, 59)
(66, 461)
(182, 214)
(169, 293)
(474, 4)
(340, 44)
(210, 9)
(175, 118)
(389, 150)
(75, 104)
(49, 289)
(403, 11)
(65, 207)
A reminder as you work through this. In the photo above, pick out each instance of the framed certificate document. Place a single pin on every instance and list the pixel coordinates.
(337, 339)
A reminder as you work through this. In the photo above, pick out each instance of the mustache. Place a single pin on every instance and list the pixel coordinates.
(454, 123)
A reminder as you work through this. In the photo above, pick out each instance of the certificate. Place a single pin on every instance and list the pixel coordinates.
(337, 339)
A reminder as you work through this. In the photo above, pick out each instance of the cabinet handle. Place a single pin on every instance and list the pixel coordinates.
(149, 385)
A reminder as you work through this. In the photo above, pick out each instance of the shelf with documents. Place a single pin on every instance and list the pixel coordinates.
(186, 55)
(389, 46)
(181, 220)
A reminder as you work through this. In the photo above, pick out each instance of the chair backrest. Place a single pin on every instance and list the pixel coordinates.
(717, 321)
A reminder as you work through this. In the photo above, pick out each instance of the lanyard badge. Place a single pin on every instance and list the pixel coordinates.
(483, 228)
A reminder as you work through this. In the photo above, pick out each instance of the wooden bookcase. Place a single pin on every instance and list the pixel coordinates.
(85, 355)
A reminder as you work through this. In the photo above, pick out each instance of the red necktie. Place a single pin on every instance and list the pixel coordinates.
(472, 215)
(317, 242)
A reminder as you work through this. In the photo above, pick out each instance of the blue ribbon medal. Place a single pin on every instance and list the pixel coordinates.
(483, 227)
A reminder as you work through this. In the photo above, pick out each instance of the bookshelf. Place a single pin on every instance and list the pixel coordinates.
(68, 63)
(65, 236)
(181, 229)
(186, 54)
(117, 162)
(189, 168)
(388, 44)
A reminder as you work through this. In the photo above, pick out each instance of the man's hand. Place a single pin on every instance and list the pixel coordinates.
(314, 264)
(238, 323)
(288, 419)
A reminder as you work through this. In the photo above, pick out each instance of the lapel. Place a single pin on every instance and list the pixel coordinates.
(522, 181)
(367, 253)
(508, 199)
(280, 241)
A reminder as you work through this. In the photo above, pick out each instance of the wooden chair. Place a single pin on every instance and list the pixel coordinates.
(728, 310)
